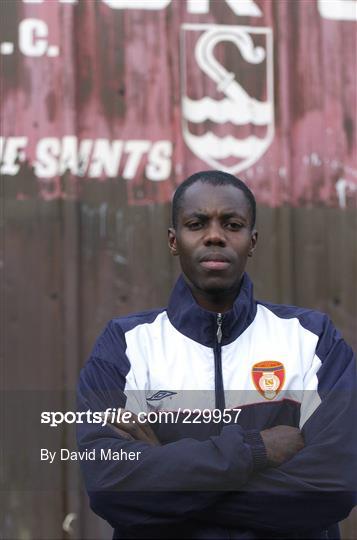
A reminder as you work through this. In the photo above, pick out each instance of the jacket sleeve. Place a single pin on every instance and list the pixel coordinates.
(316, 487)
(222, 462)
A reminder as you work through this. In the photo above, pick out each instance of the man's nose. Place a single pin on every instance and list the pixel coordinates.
(215, 235)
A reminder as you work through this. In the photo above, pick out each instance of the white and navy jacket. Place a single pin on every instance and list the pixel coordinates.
(278, 364)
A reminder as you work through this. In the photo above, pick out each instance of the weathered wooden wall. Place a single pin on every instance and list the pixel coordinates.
(85, 192)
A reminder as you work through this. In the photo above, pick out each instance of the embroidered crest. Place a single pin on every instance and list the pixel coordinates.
(268, 377)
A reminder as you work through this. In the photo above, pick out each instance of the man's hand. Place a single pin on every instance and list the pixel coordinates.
(135, 430)
(282, 443)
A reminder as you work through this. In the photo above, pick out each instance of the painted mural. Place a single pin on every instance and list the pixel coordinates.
(145, 92)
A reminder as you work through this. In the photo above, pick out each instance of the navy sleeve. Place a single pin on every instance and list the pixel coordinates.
(223, 462)
(316, 488)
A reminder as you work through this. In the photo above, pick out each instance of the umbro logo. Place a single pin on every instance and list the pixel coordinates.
(161, 394)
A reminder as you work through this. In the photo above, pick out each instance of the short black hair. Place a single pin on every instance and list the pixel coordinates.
(215, 178)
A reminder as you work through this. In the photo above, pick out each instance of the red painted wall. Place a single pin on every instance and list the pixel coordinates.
(149, 91)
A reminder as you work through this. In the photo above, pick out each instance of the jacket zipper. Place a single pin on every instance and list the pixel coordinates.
(218, 377)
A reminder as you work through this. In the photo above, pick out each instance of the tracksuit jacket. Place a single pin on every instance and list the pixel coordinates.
(279, 365)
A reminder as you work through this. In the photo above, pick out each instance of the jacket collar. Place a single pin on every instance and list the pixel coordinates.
(201, 325)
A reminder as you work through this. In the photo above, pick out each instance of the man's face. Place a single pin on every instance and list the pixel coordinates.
(213, 237)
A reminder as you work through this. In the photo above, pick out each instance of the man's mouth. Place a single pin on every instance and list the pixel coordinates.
(215, 262)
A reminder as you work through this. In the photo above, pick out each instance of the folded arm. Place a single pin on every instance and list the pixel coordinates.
(316, 487)
(218, 464)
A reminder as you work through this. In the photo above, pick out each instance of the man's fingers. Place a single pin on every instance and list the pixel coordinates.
(128, 423)
(145, 426)
(121, 432)
(131, 430)
(136, 432)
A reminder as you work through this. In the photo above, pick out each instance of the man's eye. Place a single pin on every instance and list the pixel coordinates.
(234, 225)
(194, 225)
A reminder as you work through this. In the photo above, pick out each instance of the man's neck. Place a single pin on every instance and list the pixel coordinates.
(218, 302)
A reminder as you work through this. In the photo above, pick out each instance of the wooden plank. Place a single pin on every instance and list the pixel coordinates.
(32, 333)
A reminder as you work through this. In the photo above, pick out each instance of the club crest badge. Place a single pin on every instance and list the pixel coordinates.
(227, 117)
(268, 377)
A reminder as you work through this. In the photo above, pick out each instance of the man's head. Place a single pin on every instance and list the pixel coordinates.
(215, 178)
(213, 234)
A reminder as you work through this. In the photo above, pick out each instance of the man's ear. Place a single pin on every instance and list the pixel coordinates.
(172, 241)
(253, 243)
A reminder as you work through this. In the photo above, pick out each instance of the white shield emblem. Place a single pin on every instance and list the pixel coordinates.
(227, 105)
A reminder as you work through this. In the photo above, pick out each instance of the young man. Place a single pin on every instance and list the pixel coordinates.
(259, 399)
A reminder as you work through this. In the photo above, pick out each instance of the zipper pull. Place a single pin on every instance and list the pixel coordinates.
(219, 327)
